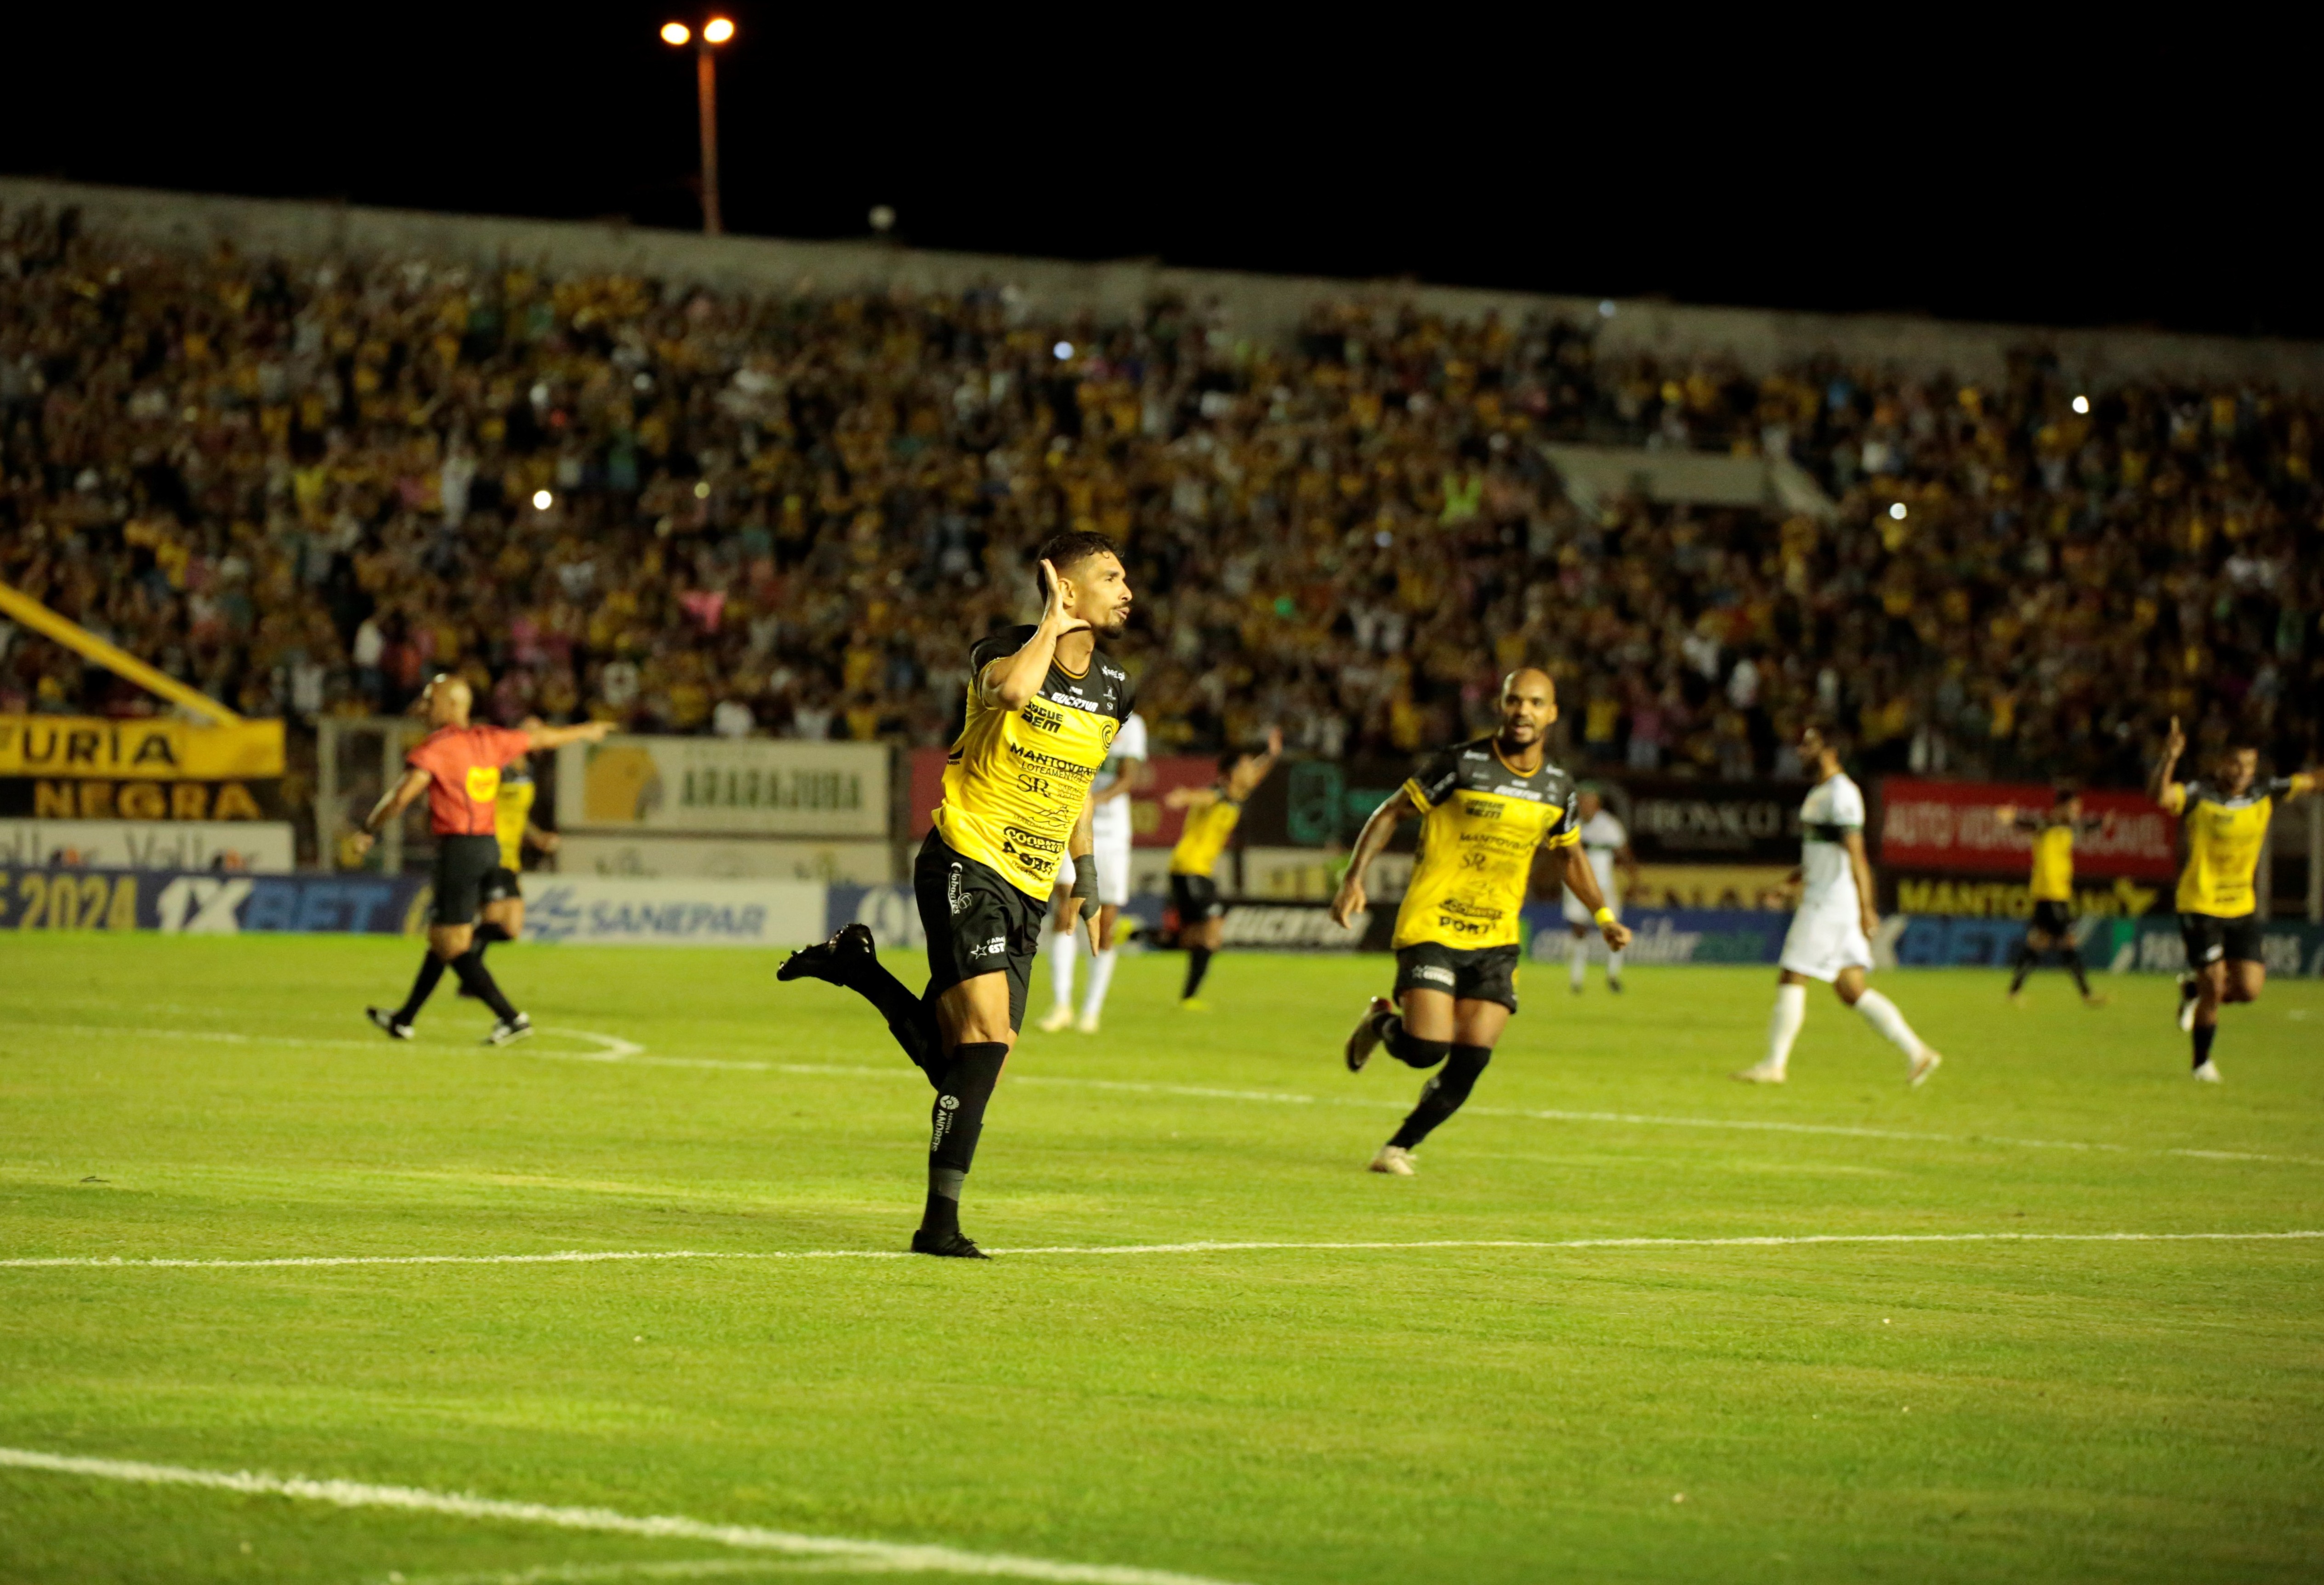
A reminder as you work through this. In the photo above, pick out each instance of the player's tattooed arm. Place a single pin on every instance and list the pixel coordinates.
(1011, 680)
(399, 798)
(2160, 787)
(1349, 901)
(1582, 881)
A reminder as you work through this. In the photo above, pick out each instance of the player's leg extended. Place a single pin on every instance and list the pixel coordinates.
(1477, 1028)
(2211, 981)
(1100, 977)
(976, 1024)
(2069, 953)
(1206, 939)
(1783, 1021)
(1921, 1058)
(2030, 948)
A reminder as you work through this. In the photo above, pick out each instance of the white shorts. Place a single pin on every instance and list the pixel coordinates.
(1113, 875)
(1576, 914)
(1823, 941)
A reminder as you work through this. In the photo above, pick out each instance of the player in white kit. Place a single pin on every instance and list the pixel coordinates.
(1831, 938)
(1110, 827)
(1607, 845)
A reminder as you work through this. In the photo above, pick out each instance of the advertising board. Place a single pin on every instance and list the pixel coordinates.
(723, 786)
(209, 902)
(90, 768)
(594, 910)
(733, 858)
(1950, 827)
(259, 848)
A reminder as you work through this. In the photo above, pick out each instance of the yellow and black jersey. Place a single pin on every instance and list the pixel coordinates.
(1016, 780)
(2223, 840)
(1481, 822)
(1204, 836)
(2052, 879)
(511, 812)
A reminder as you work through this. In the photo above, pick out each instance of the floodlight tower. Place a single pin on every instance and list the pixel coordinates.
(714, 33)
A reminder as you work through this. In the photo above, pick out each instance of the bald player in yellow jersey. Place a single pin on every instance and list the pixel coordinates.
(1213, 813)
(1044, 704)
(2226, 821)
(1485, 807)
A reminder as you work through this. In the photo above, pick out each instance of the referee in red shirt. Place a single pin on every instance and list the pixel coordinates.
(458, 766)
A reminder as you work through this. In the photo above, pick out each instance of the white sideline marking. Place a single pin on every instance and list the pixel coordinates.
(639, 1569)
(1199, 1247)
(871, 1555)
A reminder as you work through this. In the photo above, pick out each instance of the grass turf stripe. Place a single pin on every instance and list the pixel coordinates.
(888, 1556)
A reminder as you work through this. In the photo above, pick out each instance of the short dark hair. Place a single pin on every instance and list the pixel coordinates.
(1069, 548)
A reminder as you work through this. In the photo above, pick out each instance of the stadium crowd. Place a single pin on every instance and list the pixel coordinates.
(304, 485)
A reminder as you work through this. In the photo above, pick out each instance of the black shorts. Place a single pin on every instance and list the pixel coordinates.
(2054, 918)
(2211, 939)
(1197, 899)
(462, 862)
(1467, 973)
(501, 884)
(976, 922)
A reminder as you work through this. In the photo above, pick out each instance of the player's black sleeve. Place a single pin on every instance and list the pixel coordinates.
(993, 645)
(1433, 783)
(1569, 824)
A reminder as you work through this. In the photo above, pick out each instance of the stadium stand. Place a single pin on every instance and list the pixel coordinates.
(302, 484)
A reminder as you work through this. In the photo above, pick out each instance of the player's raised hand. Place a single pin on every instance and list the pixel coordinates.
(1053, 610)
(2174, 742)
(1349, 902)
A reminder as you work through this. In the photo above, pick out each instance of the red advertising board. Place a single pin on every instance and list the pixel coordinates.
(1154, 824)
(1950, 827)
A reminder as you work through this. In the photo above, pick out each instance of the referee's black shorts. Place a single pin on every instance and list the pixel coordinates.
(976, 923)
(462, 862)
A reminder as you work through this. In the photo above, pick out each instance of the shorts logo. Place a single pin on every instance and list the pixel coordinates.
(949, 1102)
(997, 947)
(954, 897)
(1435, 976)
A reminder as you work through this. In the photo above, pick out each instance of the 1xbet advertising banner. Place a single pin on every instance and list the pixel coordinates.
(210, 903)
(1951, 827)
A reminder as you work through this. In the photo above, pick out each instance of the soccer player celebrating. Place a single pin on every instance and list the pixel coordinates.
(2226, 821)
(1110, 831)
(458, 766)
(1831, 938)
(1044, 706)
(1484, 807)
(2052, 888)
(1606, 845)
(1211, 815)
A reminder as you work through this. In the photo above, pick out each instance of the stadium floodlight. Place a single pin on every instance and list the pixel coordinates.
(2081, 404)
(542, 500)
(1064, 349)
(717, 30)
(1897, 511)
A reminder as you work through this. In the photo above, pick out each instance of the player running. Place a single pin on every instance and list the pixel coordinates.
(503, 916)
(1485, 807)
(1123, 773)
(1044, 708)
(1607, 845)
(1211, 814)
(459, 767)
(2226, 820)
(2051, 886)
(1831, 938)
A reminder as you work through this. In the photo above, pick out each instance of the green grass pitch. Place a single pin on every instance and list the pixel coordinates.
(1938, 1410)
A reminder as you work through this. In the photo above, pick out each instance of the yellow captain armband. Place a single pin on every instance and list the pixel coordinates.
(1604, 916)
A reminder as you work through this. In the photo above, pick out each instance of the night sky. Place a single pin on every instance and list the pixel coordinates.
(1994, 183)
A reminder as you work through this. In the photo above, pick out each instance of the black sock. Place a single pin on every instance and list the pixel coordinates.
(2073, 957)
(1198, 964)
(1441, 1096)
(486, 934)
(2026, 958)
(470, 966)
(954, 1122)
(432, 969)
(911, 1018)
(2203, 1036)
(1410, 1049)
